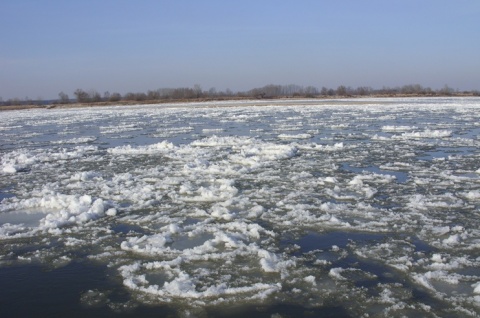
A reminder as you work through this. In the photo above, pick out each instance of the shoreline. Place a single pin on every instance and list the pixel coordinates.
(232, 99)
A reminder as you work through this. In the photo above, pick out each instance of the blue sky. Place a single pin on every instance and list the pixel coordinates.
(48, 46)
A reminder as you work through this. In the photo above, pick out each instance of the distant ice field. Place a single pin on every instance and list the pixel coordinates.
(366, 207)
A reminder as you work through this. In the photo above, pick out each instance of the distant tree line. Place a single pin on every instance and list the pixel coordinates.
(269, 91)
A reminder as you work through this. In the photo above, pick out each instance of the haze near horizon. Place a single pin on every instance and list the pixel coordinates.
(126, 46)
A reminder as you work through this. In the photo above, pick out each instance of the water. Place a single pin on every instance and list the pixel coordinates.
(298, 208)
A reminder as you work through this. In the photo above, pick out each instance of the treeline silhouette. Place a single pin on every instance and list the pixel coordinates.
(268, 91)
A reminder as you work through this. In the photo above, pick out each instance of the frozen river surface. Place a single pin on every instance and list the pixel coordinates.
(354, 208)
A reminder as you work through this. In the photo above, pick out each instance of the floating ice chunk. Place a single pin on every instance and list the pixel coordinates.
(336, 193)
(161, 147)
(61, 209)
(443, 276)
(180, 286)
(21, 160)
(257, 154)
(98, 207)
(217, 190)
(339, 126)
(256, 211)
(79, 210)
(221, 212)
(476, 288)
(94, 298)
(124, 127)
(438, 258)
(295, 136)
(10, 168)
(452, 240)
(310, 279)
(338, 145)
(268, 261)
(322, 262)
(231, 240)
(386, 296)
(446, 201)
(300, 176)
(271, 262)
(369, 192)
(356, 181)
(322, 148)
(111, 212)
(212, 130)
(336, 273)
(380, 138)
(458, 229)
(80, 140)
(330, 180)
(174, 228)
(422, 280)
(398, 128)
(215, 141)
(473, 195)
(427, 134)
(440, 230)
(150, 245)
(85, 176)
(17, 160)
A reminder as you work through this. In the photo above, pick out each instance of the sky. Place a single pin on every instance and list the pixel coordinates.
(53, 46)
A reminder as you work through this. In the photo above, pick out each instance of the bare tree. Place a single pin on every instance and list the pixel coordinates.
(446, 90)
(63, 98)
(129, 96)
(212, 92)
(153, 95)
(363, 90)
(311, 91)
(81, 95)
(197, 90)
(115, 97)
(95, 96)
(341, 90)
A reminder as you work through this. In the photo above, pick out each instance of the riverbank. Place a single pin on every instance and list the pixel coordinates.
(226, 99)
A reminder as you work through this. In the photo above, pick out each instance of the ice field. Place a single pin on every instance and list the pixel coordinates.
(352, 208)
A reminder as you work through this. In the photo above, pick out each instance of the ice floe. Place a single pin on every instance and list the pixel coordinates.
(372, 207)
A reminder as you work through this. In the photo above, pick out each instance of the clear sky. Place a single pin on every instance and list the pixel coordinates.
(49, 46)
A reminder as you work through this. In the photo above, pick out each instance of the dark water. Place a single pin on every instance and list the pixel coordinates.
(35, 291)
